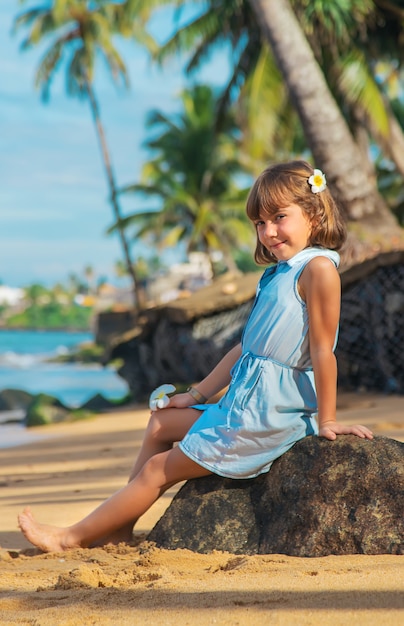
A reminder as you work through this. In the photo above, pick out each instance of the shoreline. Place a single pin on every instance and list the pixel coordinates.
(56, 329)
(65, 475)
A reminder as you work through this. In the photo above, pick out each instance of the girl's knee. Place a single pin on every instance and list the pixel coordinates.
(152, 472)
(155, 428)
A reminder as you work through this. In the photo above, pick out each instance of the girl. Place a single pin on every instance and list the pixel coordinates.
(282, 377)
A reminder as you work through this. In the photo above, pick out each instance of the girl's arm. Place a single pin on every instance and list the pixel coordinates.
(320, 287)
(214, 382)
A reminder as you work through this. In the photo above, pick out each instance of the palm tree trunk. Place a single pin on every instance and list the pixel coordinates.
(326, 131)
(137, 291)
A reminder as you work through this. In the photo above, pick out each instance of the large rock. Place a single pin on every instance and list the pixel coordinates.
(321, 497)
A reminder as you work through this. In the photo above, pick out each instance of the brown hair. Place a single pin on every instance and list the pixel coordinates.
(288, 183)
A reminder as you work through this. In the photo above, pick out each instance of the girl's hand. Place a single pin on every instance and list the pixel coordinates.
(330, 430)
(159, 398)
(181, 401)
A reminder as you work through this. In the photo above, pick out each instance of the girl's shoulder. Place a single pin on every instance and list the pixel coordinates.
(306, 255)
(319, 276)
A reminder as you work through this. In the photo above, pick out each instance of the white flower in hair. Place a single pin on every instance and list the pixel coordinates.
(317, 181)
(159, 398)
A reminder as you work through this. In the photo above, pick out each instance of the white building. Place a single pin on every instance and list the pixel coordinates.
(11, 296)
(181, 279)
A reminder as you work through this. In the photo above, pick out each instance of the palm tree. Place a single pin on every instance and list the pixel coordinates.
(34, 293)
(337, 152)
(233, 22)
(328, 135)
(89, 276)
(351, 41)
(83, 31)
(193, 176)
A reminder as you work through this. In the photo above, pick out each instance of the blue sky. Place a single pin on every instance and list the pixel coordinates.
(54, 210)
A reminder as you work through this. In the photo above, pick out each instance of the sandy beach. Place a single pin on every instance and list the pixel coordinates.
(71, 468)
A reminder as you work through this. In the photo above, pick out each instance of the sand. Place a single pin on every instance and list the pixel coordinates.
(71, 468)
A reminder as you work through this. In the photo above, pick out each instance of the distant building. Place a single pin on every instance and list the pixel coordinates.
(181, 279)
(107, 297)
(11, 296)
(85, 300)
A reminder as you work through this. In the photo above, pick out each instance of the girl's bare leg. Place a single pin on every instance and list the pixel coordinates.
(165, 427)
(126, 505)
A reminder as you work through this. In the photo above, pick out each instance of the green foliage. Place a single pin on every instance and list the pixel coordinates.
(245, 261)
(194, 175)
(48, 308)
(349, 38)
(80, 414)
(45, 409)
(52, 315)
(391, 188)
(77, 32)
(86, 353)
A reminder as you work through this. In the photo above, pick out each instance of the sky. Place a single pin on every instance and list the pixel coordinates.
(54, 209)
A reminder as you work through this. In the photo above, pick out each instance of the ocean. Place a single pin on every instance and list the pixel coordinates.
(24, 356)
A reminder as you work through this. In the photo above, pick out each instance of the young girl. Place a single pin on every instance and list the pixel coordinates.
(282, 377)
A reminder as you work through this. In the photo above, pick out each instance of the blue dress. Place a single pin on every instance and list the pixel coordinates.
(271, 401)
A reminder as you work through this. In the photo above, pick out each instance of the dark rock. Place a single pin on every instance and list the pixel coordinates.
(45, 409)
(14, 399)
(321, 497)
(98, 402)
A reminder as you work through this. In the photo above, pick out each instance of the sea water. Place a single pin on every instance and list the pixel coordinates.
(25, 364)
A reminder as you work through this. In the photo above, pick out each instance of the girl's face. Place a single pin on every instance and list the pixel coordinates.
(285, 233)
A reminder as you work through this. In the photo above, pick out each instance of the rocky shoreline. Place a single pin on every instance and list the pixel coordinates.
(28, 409)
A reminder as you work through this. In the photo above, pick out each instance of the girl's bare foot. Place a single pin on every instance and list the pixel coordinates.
(46, 538)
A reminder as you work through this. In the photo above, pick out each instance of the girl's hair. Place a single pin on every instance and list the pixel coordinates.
(283, 184)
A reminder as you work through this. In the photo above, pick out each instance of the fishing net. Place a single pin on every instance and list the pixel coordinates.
(370, 349)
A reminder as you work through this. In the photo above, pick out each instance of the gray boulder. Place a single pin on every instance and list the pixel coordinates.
(321, 497)
(14, 399)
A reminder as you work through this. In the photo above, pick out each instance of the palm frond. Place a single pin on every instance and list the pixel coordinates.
(80, 71)
(48, 66)
(358, 85)
(29, 16)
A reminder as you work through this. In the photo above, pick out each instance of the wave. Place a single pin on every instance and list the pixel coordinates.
(26, 363)
(14, 415)
(15, 360)
(26, 360)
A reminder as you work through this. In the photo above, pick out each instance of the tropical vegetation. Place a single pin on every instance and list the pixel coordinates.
(48, 308)
(194, 176)
(320, 79)
(82, 31)
(330, 101)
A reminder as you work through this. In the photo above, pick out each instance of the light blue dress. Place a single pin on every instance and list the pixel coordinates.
(271, 401)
